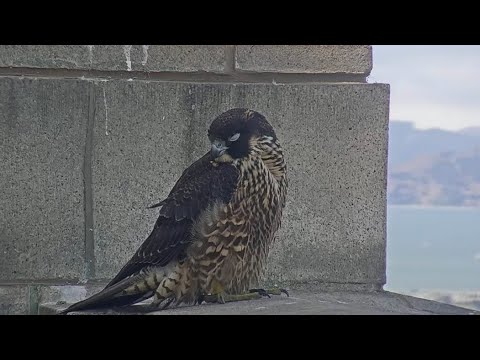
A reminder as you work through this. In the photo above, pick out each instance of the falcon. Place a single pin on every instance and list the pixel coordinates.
(216, 227)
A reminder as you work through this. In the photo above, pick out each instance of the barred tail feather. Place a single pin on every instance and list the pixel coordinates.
(126, 292)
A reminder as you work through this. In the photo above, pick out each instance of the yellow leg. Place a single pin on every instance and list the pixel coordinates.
(218, 294)
(224, 298)
(271, 291)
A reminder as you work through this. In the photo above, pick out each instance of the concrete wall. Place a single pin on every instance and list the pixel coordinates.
(92, 135)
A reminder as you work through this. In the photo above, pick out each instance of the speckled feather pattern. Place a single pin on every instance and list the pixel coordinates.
(232, 240)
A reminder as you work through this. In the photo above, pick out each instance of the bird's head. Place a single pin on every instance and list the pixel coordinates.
(234, 133)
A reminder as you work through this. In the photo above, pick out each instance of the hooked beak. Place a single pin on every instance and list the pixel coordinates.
(218, 148)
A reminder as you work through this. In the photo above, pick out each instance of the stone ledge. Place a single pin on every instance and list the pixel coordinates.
(147, 58)
(300, 303)
(214, 59)
(312, 59)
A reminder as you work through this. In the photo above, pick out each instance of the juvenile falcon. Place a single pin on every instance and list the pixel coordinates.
(215, 228)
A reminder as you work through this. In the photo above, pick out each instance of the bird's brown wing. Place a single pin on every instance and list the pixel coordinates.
(200, 186)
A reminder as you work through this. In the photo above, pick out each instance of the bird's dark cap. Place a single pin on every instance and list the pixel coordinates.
(240, 120)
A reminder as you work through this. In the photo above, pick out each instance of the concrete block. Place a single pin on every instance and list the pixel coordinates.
(42, 142)
(323, 59)
(182, 58)
(335, 143)
(150, 58)
(13, 300)
(45, 56)
(112, 57)
(156, 58)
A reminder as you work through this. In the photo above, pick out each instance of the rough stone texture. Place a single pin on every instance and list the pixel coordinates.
(325, 59)
(335, 143)
(184, 58)
(45, 56)
(151, 58)
(111, 57)
(26, 299)
(155, 58)
(13, 300)
(302, 303)
(42, 136)
(62, 294)
(137, 163)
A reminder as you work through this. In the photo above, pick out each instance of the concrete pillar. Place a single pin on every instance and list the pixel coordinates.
(91, 135)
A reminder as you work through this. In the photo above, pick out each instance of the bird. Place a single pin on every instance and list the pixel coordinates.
(216, 227)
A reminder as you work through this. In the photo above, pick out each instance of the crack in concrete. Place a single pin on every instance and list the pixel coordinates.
(88, 188)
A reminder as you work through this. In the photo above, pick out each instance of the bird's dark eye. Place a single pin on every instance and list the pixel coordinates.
(234, 137)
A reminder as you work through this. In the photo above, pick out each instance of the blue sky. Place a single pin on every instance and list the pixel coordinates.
(434, 86)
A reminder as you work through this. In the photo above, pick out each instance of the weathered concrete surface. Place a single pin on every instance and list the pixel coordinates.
(321, 59)
(45, 56)
(183, 58)
(142, 144)
(302, 303)
(325, 59)
(66, 293)
(157, 58)
(25, 299)
(152, 58)
(14, 300)
(334, 138)
(42, 142)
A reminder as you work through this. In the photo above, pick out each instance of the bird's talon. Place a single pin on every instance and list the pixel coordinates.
(199, 300)
(268, 292)
(220, 299)
(260, 292)
(167, 303)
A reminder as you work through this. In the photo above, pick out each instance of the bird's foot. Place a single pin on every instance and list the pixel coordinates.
(223, 298)
(252, 294)
(162, 303)
(268, 292)
(217, 294)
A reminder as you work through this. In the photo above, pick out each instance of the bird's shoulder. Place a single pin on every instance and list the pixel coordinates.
(200, 185)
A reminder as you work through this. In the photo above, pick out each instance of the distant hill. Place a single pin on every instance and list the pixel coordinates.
(433, 167)
(406, 143)
(475, 131)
